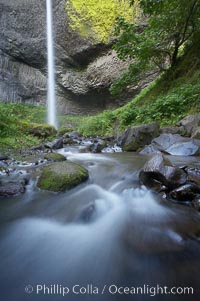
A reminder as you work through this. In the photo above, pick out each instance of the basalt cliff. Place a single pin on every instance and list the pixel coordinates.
(84, 69)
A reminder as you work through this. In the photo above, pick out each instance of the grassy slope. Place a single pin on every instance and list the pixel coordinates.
(14, 121)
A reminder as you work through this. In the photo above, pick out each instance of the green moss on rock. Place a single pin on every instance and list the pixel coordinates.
(55, 157)
(61, 176)
(40, 130)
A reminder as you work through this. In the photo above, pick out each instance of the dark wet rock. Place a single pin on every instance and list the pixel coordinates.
(40, 130)
(137, 137)
(11, 189)
(3, 157)
(149, 149)
(97, 147)
(55, 144)
(160, 170)
(61, 176)
(54, 157)
(69, 141)
(87, 213)
(185, 193)
(196, 203)
(190, 123)
(193, 175)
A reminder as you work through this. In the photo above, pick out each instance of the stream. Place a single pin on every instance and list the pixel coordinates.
(107, 233)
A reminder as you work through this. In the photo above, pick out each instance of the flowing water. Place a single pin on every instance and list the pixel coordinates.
(128, 237)
(51, 69)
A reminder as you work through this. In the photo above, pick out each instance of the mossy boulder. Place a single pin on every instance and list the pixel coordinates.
(40, 130)
(54, 157)
(62, 176)
(136, 137)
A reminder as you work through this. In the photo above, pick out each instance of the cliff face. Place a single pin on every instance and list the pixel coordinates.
(84, 70)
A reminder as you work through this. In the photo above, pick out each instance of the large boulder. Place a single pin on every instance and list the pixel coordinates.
(190, 123)
(137, 137)
(40, 130)
(61, 176)
(159, 170)
(173, 145)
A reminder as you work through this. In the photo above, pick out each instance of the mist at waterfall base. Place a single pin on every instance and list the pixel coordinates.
(51, 96)
(131, 238)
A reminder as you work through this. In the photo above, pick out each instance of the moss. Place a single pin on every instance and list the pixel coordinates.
(61, 176)
(40, 130)
(55, 157)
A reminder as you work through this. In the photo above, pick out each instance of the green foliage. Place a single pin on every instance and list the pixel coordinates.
(8, 120)
(96, 19)
(15, 118)
(168, 27)
(99, 125)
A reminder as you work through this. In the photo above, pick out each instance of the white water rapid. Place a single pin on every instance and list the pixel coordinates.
(51, 68)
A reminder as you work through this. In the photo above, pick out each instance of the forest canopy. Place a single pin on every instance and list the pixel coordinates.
(170, 27)
(96, 18)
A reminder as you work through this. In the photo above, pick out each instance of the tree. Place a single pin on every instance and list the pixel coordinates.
(156, 41)
(96, 18)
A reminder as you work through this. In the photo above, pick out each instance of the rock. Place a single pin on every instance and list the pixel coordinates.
(11, 189)
(40, 130)
(196, 203)
(61, 176)
(97, 147)
(164, 141)
(69, 141)
(137, 137)
(193, 175)
(55, 144)
(176, 145)
(150, 149)
(185, 192)
(3, 157)
(74, 135)
(190, 123)
(172, 130)
(54, 157)
(183, 149)
(87, 213)
(196, 133)
(158, 169)
(112, 149)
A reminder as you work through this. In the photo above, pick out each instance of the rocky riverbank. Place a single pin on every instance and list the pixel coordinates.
(47, 162)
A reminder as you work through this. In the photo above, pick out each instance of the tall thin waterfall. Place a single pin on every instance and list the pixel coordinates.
(51, 67)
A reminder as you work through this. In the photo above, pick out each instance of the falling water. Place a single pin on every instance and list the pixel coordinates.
(51, 68)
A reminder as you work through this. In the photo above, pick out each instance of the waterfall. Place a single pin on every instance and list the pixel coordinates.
(51, 68)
